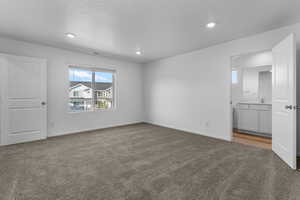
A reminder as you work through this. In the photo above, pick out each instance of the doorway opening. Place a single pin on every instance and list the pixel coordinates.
(251, 99)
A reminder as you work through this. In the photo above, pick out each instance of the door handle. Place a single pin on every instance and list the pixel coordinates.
(43, 103)
(289, 107)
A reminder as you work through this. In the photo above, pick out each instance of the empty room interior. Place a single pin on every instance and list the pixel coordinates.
(149, 100)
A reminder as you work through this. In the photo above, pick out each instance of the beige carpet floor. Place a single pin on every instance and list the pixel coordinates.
(143, 162)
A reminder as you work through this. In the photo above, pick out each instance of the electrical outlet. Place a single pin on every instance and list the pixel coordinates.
(52, 124)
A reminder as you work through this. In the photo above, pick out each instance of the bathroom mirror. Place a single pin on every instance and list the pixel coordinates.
(250, 83)
(257, 83)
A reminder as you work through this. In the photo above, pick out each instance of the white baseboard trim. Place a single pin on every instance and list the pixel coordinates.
(93, 129)
(193, 132)
(189, 131)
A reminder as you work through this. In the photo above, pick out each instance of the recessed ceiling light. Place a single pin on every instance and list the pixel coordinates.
(138, 52)
(70, 35)
(211, 25)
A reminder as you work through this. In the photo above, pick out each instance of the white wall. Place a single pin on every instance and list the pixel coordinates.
(253, 59)
(192, 91)
(128, 84)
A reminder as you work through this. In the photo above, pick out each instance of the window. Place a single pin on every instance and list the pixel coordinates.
(103, 90)
(76, 93)
(234, 77)
(90, 89)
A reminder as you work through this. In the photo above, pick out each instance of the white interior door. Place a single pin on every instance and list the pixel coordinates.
(23, 99)
(284, 100)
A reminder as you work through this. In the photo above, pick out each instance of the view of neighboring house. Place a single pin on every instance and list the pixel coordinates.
(80, 95)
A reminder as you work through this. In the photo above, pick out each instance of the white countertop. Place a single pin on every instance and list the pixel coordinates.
(255, 103)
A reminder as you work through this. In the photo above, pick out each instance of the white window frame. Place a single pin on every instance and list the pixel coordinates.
(93, 70)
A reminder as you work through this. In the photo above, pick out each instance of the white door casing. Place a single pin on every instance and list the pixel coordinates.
(284, 100)
(23, 99)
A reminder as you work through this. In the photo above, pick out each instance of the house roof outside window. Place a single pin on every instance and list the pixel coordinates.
(97, 85)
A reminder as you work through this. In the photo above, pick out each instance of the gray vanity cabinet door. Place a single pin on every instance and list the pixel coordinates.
(248, 120)
(265, 121)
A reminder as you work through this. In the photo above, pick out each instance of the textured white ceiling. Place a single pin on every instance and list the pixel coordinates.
(158, 28)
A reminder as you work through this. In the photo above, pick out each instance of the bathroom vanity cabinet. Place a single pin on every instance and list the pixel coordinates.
(254, 118)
